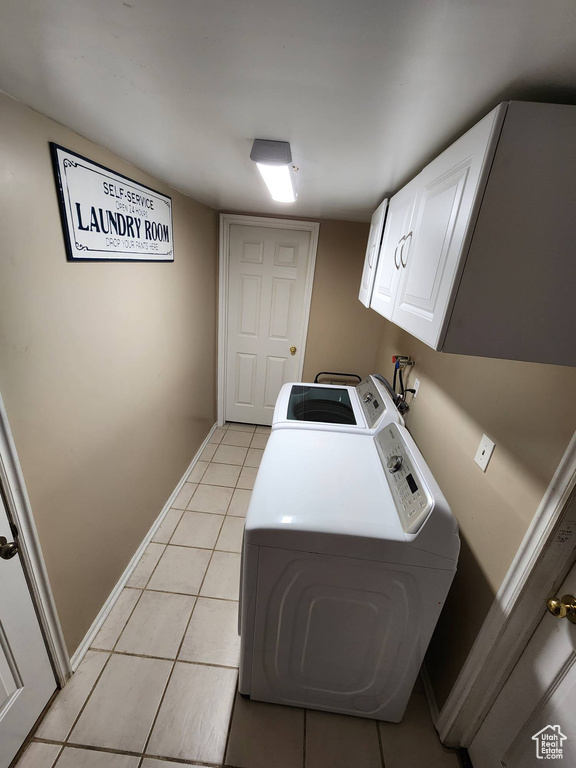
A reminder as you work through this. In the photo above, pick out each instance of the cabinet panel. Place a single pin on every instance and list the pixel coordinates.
(372, 250)
(431, 259)
(389, 264)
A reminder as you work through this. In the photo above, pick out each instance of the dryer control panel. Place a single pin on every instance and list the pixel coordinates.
(411, 496)
(375, 403)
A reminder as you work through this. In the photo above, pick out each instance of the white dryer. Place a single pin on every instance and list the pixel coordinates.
(364, 409)
(349, 551)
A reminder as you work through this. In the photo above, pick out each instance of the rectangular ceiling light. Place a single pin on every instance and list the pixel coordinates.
(274, 161)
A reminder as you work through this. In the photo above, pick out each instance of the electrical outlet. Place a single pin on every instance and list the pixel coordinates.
(416, 386)
(484, 452)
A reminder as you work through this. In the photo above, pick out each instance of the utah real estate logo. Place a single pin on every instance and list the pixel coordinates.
(549, 743)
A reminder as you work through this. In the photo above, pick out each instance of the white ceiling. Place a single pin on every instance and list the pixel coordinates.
(366, 91)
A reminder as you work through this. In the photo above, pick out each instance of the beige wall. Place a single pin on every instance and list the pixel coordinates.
(342, 333)
(107, 370)
(529, 410)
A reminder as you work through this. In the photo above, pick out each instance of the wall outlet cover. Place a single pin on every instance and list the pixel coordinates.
(416, 386)
(484, 452)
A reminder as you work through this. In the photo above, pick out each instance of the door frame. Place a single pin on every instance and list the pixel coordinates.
(19, 512)
(545, 556)
(226, 221)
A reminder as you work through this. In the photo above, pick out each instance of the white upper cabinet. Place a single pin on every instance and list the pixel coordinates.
(372, 249)
(430, 260)
(394, 243)
(477, 251)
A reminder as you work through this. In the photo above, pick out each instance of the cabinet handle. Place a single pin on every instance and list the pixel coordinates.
(371, 257)
(409, 235)
(395, 253)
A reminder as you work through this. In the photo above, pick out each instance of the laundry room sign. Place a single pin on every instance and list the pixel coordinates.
(107, 216)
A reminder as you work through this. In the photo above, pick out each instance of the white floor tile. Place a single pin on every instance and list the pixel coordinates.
(247, 478)
(184, 495)
(181, 569)
(233, 437)
(116, 620)
(197, 471)
(239, 504)
(212, 635)
(230, 454)
(233, 425)
(171, 519)
(157, 625)
(148, 562)
(193, 720)
(263, 430)
(198, 529)
(66, 707)
(39, 755)
(230, 539)
(266, 735)
(259, 441)
(211, 498)
(217, 435)
(339, 741)
(221, 474)
(414, 741)
(208, 452)
(73, 757)
(120, 712)
(254, 457)
(223, 577)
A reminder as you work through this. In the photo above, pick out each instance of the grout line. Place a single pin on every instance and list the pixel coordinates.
(175, 527)
(229, 732)
(379, 735)
(128, 619)
(175, 658)
(186, 594)
(304, 739)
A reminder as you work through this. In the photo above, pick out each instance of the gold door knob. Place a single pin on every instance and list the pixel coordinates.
(293, 350)
(565, 608)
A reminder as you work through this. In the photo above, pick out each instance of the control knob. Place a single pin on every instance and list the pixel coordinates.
(394, 463)
(367, 397)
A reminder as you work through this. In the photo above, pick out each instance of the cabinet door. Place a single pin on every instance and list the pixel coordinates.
(372, 249)
(446, 208)
(388, 270)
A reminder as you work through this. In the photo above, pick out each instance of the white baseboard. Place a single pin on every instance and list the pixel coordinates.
(114, 595)
(429, 691)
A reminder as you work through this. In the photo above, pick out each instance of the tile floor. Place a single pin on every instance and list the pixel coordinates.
(158, 687)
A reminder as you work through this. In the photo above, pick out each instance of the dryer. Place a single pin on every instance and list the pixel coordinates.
(364, 409)
(349, 552)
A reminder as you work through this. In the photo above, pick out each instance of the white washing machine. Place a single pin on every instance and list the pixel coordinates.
(364, 409)
(349, 552)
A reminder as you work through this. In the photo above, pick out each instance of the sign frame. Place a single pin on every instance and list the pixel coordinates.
(135, 250)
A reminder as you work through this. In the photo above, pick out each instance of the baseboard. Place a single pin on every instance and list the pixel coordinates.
(109, 604)
(429, 691)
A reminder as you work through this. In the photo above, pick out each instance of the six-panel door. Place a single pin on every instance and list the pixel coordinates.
(266, 317)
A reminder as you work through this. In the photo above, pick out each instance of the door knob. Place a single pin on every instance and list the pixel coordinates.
(293, 350)
(7, 549)
(565, 608)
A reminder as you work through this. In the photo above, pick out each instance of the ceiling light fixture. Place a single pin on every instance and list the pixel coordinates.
(274, 161)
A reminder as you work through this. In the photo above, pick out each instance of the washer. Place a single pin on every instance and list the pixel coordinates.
(349, 552)
(364, 409)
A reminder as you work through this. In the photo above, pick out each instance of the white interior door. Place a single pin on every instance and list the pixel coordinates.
(538, 699)
(268, 278)
(26, 678)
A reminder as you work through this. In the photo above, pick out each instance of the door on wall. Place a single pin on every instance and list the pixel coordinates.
(533, 716)
(26, 678)
(270, 272)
